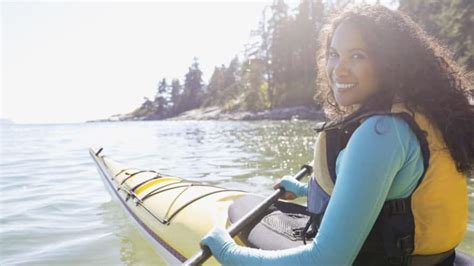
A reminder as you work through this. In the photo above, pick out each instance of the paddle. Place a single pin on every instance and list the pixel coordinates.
(235, 228)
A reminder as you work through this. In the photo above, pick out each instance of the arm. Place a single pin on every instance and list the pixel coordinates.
(366, 171)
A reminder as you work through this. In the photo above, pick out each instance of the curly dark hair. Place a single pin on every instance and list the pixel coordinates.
(412, 68)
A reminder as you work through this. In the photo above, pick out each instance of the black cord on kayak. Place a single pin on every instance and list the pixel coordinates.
(99, 151)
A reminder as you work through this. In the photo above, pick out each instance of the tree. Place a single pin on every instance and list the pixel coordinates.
(452, 22)
(193, 87)
(231, 72)
(286, 49)
(147, 109)
(261, 50)
(254, 86)
(280, 49)
(176, 92)
(298, 84)
(223, 86)
(215, 86)
(161, 99)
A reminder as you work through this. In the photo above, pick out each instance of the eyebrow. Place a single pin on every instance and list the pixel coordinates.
(351, 50)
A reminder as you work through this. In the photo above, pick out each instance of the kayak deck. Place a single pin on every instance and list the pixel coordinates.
(174, 214)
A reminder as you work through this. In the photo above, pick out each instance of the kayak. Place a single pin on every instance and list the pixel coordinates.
(174, 214)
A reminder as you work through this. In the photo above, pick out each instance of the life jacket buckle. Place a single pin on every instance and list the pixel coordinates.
(298, 232)
(405, 244)
(405, 247)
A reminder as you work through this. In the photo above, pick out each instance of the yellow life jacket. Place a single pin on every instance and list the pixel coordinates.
(433, 219)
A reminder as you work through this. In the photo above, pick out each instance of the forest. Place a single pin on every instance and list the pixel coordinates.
(278, 69)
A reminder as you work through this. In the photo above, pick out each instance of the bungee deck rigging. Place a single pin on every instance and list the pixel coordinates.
(129, 176)
(139, 201)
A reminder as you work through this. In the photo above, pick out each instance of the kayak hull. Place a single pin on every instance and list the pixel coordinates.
(176, 238)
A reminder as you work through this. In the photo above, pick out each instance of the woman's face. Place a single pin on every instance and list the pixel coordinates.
(350, 69)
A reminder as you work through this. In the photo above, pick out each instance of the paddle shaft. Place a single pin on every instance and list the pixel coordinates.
(237, 227)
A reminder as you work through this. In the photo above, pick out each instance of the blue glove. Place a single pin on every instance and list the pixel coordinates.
(294, 186)
(220, 243)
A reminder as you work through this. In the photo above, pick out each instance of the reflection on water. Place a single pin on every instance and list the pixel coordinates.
(55, 210)
(133, 247)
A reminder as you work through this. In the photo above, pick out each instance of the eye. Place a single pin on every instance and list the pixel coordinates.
(358, 56)
(333, 54)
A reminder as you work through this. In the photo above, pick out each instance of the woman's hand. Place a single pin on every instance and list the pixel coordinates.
(220, 243)
(287, 195)
(293, 188)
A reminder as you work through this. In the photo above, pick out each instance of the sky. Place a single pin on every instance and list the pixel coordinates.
(66, 62)
(76, 60)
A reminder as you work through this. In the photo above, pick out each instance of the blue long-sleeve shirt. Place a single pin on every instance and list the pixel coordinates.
(381, 161)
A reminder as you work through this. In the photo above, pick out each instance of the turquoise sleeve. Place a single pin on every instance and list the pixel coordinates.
(378, 151)
(294, 186)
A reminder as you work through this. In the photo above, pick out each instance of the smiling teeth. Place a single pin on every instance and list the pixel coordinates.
(345, 85)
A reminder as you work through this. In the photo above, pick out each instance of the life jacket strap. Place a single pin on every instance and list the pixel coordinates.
(397, 231)
(312, 226)
(398, 206)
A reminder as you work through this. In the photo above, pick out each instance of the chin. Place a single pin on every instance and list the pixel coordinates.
(345, 102)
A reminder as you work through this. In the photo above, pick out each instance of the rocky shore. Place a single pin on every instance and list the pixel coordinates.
(218, 113)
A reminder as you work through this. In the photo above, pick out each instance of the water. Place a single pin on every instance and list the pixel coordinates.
(54, 209)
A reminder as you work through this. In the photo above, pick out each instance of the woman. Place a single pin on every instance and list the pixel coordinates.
(399, 141)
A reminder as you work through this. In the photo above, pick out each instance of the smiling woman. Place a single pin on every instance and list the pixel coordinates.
(399, 143)
(350, 69)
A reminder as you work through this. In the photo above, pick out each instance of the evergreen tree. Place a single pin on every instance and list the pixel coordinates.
(261, 50)
(452, 22)
(280, 49)
(193, 87)
(230, 88)
(223, 86)
(231, 72)
(287, 47)
(254, 86)
(216, 86)
(298, 84)
(147, 109)
(176, 92)
(293, 46)
(161, 99)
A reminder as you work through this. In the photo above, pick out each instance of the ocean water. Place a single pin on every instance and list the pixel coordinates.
(54, 209)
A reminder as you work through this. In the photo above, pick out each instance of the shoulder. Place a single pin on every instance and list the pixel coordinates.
(383, 125)
(384, 132)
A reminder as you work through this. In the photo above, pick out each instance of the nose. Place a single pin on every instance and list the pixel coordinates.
(341, 69)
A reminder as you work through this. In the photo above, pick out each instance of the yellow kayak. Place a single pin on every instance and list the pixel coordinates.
(172, 213)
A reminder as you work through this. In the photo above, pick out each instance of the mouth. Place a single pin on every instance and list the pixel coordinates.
(344, 87)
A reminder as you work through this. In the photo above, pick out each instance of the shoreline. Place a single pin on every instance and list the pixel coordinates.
(217, 113)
